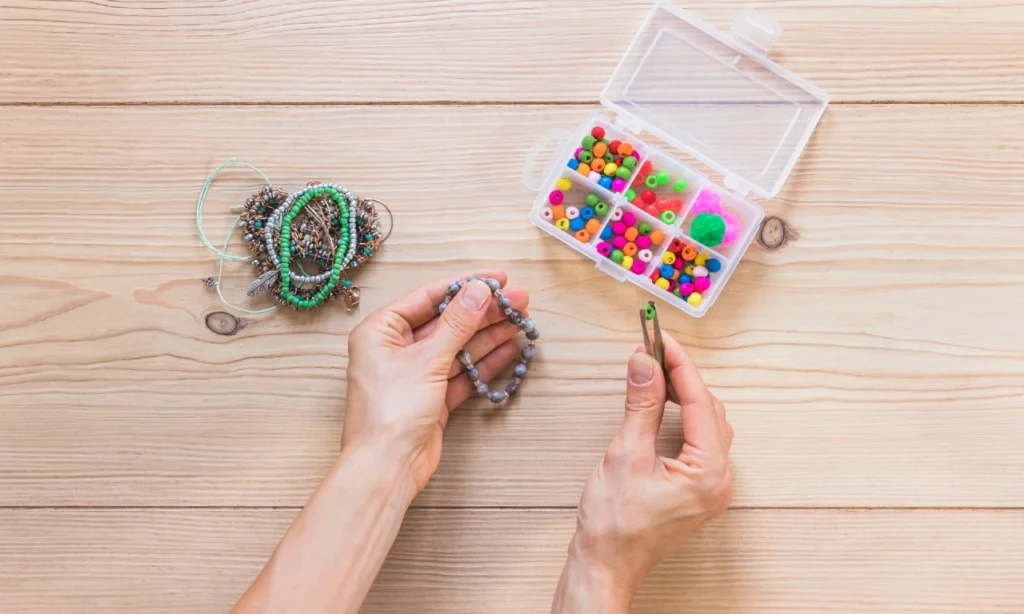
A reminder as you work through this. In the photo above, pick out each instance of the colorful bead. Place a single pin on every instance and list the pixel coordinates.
(609, 158)
(547, 215)
(666, 270)
(606, 182)
(694, 299)
(573, 164)
(663, 177)
(618, 184)
(625, 149)
(593, 226)
(668, 258)
(643, 242)
(649, 311)
(617, 215)
(586, 157)
(576, 225)
(611, 168)
(644, 228)
(680, 185)
(651, 181)
(628, 218)
(713, 265)
(662, 283)
(556, 197)
(587, 213)
(684, 279)
(607, 234)
(594, 176)
(562, 223)
(630, 195)
(630, 249)
(685, 289)
(588, 142)
(558, 211)
(619, 228)
(699, 271)
(638, 267)
(616, 256)
(701, 284)
(582, 235)
(623, 173)
(601, 209)
(597, 133)
(688, 269)
(604, 248)
(564, 184)
(675, 246)
(599, 149)
(689, 252)
(645, 255)
(614, 146)
(629, 162)
(619, 242)
(572, 212)
(597, 165)
(583, 169)
(627, 261)
(592, 199)
(648, 196)
(701, 259)
(631, 233)
(669, 217)
(657, 237)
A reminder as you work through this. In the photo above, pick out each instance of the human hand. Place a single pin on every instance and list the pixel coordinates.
(403, 376)
(638, 507)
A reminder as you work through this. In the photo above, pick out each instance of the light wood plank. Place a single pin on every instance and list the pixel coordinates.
(875, 360)
(475, 50)
(496, 561)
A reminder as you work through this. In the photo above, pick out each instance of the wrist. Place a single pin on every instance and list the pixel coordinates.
(387, 470)
(588, 586)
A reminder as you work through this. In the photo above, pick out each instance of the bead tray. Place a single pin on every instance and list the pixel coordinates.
(735, 111)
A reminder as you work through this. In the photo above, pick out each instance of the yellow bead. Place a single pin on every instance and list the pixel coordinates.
(701, 259)
(564, 184)
(669, 258)
(688, 269)
(563, 223)
(662, 283)
(610, 169)
(694, 299)
(627, 262)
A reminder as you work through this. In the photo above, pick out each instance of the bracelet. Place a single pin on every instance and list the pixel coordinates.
(517, 319)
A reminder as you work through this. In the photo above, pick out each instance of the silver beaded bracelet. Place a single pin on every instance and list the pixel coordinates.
(517, 319)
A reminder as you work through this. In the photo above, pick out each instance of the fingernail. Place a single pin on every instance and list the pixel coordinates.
(475, 295)
(641, 369)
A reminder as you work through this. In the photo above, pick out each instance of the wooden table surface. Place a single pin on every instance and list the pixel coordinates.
(873, 364)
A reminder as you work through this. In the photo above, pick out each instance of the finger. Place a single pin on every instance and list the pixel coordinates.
(517, 297)
(461, 388)
(697, 407)
(485, 342)
(420, 306)
(464, 316)
(645, 401)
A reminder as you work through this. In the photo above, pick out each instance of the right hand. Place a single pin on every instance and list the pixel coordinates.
(638, 507)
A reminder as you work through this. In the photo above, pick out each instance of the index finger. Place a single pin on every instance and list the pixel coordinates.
(420, 306)
(697, 406)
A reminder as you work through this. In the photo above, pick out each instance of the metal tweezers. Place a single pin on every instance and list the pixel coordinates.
(657, 349)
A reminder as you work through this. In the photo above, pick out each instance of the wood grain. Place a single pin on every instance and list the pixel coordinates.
(498, 561)
(876, 360)
(303, 51)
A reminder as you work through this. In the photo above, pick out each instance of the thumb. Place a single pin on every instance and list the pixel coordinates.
(461, 319)
(645, 399)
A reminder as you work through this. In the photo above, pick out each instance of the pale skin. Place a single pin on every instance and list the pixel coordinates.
(403, 382)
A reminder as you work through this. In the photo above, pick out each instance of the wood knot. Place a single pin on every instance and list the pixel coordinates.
(223, 323)
(774, 233)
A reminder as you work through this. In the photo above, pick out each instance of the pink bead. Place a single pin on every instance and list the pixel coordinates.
(732, 228)
(686, 289)
(629, 219)
(639, 267)
(619, 185)
(616, 216)
(556, 197)
(707, 202)
(679, 263)
(576, 155)
(619, 242)
(546, 214)
(701, 284)
(619, 228)
(605, 249)
(643, 242)
(671, 285)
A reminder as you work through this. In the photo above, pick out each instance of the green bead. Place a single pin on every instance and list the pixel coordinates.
(592, 199)
(663, 177)
(367, 251)
(644, 228)
(609, 158)
(680, 185)
(649, 311)
(588, 142)
(586, 157)
(630, 195)
(347, 283)
(651, 181)
(616, 257)
(606, 141)
(668, 216)
(601, 209)
(629, 162)
(623, 172)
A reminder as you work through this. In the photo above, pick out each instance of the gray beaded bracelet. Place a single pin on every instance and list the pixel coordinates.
(517, 319)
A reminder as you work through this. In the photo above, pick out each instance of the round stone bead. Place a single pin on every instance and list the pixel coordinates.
(533, 335)
(498, 396)
(529, 352)
(473, 374)
(482, 390)
(520, 370)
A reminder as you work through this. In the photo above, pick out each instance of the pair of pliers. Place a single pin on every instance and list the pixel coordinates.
(656, 349)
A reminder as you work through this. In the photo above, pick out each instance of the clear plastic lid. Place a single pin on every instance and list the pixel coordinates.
(716, 96)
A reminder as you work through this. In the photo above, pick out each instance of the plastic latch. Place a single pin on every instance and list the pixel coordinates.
(757, 30)
(737, 185)
(630, 123)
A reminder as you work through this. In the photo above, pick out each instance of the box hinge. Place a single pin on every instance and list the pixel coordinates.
(630, 123)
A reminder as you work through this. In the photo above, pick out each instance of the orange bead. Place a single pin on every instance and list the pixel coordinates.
(583, 169)
(593, 226)
(600, 149)
(558, 211)
(625, 149)
(582, 236)
(630, 249)
(597, 165)
(689, 252)
(657, 237)
(631, 233)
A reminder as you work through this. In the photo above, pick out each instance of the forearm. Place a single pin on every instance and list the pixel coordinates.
(585, 588)
(331, 554)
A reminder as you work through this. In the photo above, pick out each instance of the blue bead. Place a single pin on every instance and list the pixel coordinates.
(577, 224)
(573, 164)
(587, 213)
(667, 271)
(606, 183)
(607, 234)
(713, 265)
(685, 279)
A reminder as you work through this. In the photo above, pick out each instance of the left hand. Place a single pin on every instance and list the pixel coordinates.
(403, 376)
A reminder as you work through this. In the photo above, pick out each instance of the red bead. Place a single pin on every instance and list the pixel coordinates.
(675, 246)
(647, 168)
(597, 132)
(655, 275)
(664, 205)
(614, 146)
(648, 196)
(652, 210)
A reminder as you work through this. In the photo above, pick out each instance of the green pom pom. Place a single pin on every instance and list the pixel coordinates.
(708, 228)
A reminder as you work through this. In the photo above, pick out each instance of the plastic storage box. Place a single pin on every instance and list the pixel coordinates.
(711, 94)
